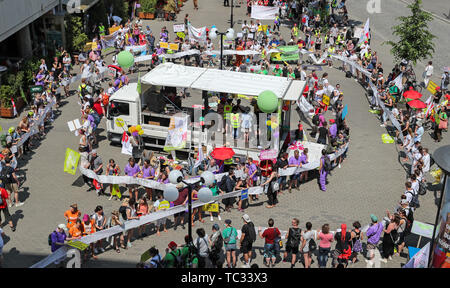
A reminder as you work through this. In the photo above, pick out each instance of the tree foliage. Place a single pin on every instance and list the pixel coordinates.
(415, 41)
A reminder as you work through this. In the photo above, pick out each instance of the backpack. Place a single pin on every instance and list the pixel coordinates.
(178, 259)
(50, 238)
(252, 232)
(223, 183)
(327, 164)
(414, 200)
(315, 120)
(84, 91)
(218, 244)
(193, 251)
(357, 246)
(409, 222)
(157, 263)
(294, 237)
(312, 245)
(96, 118)
(5, 176)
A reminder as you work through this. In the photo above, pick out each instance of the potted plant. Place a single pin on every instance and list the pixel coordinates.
(6, 93)
(148, 8)
(12, 90)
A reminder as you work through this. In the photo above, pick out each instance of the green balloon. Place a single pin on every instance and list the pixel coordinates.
(125, 59)
(267, 101)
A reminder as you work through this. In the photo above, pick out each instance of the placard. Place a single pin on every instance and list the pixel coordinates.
(326, 100)
(181, 35)
(173, 46)
(422, 229)
(432, 87)
(164, 45)
(179, 28)
(78, 245)
(213, 207)
(113, 29)
(244, 194)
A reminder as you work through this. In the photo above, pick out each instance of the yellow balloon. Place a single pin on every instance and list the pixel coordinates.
(138, 127)
(141, 132)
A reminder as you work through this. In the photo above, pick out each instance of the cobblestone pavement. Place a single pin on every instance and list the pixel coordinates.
(371, 180)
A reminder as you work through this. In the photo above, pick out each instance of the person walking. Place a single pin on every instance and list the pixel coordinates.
(230, 236)
(294, 238)
(324, 169)
(428, 73)
(4, 208)
(357, 237)
(248, 236)
(201, 243)
(325, 238)
(269, 235)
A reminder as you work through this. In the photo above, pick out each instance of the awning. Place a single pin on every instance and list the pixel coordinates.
(295, 90)
(169, 74)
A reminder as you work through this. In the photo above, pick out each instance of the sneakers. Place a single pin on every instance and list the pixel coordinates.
(110, 198)
(129, 245)
(212, 219)
(220, 219)
(339, 166)
(383, 125)
(19, 204)
(10, 204)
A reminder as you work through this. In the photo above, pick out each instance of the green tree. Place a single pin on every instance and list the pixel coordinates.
(76, 38)
(415, 41)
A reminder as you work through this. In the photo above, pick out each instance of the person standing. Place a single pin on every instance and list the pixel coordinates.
(373, 237)
(357, 237)
(132, 170)
(294, 238)
(11, 182)
(216, 243)
(296, 162)
(248, 236)
(230, 237)
(325, 238)
(2, 243)
(428, 73)
(96, 164)
(202, 247)
(269, 235)
(389, 238)
(271, 192)
(343, 249)
(4, 208)
(99, 224)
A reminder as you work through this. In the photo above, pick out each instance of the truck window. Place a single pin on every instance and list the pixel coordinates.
(119, 108)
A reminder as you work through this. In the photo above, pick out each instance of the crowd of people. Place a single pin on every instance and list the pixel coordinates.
(206, 251)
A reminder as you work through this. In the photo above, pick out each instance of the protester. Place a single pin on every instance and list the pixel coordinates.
(269, 235)
(230, 237)
(248, 236)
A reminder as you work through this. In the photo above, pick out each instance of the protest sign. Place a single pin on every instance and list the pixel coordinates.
(432, 87)
(71, 161)
(244, 194)
(78, 245)
(213, 207)
(178, 28)
(173, 46)
(74, 125)
(326, 100)
(344, 112)
(164, 45)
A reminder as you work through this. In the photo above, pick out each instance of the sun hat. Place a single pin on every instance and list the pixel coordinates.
(62, 226)
(246, 218)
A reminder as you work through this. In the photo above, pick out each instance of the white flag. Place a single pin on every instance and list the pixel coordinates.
(127, 149)
(398, 82)
(366, 34)
(200, 156)
(197, 34)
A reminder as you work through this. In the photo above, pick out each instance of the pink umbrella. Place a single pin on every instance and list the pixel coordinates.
(297, 145)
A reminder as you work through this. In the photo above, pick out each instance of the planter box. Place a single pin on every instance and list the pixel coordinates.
(9, 112)
(145, 15)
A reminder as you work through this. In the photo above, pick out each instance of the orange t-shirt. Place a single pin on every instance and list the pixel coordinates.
(75, 232)
(72, 217)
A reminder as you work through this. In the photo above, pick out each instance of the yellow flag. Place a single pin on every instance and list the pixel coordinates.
(326, 100)
(213, 207)
(71, 161)
(116, 191)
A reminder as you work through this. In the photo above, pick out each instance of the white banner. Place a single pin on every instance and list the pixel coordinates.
(264, 12)
(178, 28)
(136, 49)
(197, 34)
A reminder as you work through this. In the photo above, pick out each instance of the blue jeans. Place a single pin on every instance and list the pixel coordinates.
(323, 256)
(282, 181)
(235, 133)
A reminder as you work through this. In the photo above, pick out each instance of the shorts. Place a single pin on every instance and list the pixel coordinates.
(295, 177)
(160, 222)
(246, 247)
(230, 247)
(181, 214)
(269, 250)
(132, 186)
(292, 249)
(6, 213)
(12, 188)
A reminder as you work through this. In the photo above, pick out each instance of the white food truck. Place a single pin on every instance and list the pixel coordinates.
(152, 110)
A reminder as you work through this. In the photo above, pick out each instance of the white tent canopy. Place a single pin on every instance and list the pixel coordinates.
(169, 74)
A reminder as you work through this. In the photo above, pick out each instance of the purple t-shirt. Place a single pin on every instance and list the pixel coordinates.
(303, 159)
(293, 161)
(148, 172)
(251, 169)
(131, 171)
(333, 130)
(57, 237)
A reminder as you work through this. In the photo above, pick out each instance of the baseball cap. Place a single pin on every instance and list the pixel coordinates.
(332, 120)
(228, 221)
(374, 218)
(62, 226)
(94, 151)
(172, 245)
(246, 218)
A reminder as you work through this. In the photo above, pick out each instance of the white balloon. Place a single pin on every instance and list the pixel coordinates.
(170, 193)
(174, 176)
(213, 33)
(204, 195)
(230, 34)
(208, 178)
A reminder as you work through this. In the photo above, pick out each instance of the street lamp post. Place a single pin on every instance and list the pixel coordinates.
(229, 35)
(231, 18)
(171, 193)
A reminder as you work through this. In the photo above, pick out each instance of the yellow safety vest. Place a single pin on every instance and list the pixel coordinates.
(339, 39)
(331, 50)
(228, 162)
(235, 120)
(227, 111)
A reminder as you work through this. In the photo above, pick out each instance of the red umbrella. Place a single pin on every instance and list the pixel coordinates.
(222, 153)
(412, 94)
(417, 104)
